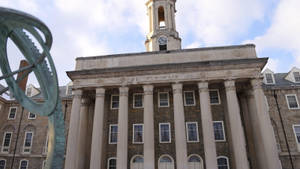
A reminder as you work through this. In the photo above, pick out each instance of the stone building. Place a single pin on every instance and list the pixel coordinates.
(169, 107)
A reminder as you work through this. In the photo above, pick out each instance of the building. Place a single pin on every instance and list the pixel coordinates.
(170, 107)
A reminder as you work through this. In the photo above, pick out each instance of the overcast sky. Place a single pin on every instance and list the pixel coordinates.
(98, 27)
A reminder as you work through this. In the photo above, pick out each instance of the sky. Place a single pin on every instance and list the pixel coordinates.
(83, 28)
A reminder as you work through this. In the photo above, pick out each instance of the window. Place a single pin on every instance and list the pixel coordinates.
(23, 164)
(297, 132)
(219, 131)
(45, 151)
(223, 162)
(27, 142)
(192, 132)
(189, 98)
(2, 164)
(195, 162)
(296, 76)
(137, 162)
(214, 96)
(138, 133)
(161, 18)
(163, 47)
(31, 115)
(165, 162)
(269, 78)
(137, 100)
(113, 134)
(112, 163)
(12, 113)
(163, 99)
(292, 101)
(114, 101)
(6, 142)
(164, 133)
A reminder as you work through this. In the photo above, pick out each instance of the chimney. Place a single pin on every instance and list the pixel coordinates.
(22, 84)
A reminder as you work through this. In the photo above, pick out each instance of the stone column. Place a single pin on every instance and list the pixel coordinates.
(265, 142)
(96, 150)
(83, 125)
(235, 123)
(122, 144)
(149, 159)
(207, 127)
(179, 125)
(71, 154)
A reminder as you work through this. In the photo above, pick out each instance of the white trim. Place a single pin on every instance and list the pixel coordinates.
(265, 78)
(29, 118)
(287, 101)
(169, 133)
(193, 98)
(31, 141)
(6, 152)
(133, 142)
(226, 159)
(21, 162)
(219, 98)
(294, 76)
(45, 150)
(298, 144)
(133, 157)
(111, 158)
(201, 160)
(111, 125)
(187, 132)
(2, 159)
(111, 101)
(166, 155)
(167, 97)
(10, 112)
(133, 98)
(222, 122)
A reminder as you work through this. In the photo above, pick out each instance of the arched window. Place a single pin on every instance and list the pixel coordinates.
(137, 162)
(165, 162)
(223, 162)
(23, 164)
(195, 162)
(112, 163)
(161, 17)
(2, 163)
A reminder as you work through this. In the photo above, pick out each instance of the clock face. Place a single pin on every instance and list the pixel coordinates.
(162, 40)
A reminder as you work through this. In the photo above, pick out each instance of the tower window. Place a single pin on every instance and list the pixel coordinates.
(161, 18)
(162, 47)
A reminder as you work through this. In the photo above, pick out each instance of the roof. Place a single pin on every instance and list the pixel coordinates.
(281, 82)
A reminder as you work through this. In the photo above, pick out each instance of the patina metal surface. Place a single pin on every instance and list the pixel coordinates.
(20, 28)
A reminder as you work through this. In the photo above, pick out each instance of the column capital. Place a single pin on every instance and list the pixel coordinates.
(229, 85)
(177, 88)
(123, 91)
(100, 92)
(148, 89)
(85, 101)
(203, 86)
(77, 93)
(256, 83)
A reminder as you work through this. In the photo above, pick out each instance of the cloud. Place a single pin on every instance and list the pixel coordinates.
(193, 45)
(284, 31)
(273, 64)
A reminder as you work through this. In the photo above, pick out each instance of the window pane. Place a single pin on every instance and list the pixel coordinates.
(113, 134)
(23, 165)
(297, 76)
(115, 101)
(112, 164)
(163, 99)
(7, 139)
(194, 159)
(292, 101)
(138, 100)
(218, 131)
(2, 164)
(138, 133)
(222, 163)
(192, 132)
(189, 98)
(12, 113)
(214, 97)
(165, 159)
(165, 133)
(138, 159)
(269, 78)
(28, 139)
(31, 115)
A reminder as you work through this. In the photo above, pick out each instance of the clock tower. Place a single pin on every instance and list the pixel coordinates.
(162, 29)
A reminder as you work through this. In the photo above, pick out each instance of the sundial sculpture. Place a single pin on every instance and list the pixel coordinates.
(17, 26)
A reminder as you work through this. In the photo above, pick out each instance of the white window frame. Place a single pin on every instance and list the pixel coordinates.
(170, 137)
(45, 150)
(219, 98)
(168, 96)
(9, 143)
(10, 112)
(273, 79)
(133, 138)
(295, 77)
(298, 144)
(287, 101)
(30, 117)
(185, 104)
(30, 143)
(111, 158)
(111, 101)
(226, 159)
(109, 138)
(224, 140)
(2, 159)
(187, 132)
(21, 162)
(133, 103)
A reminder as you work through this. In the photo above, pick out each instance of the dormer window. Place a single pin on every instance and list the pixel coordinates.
(269, 78)
(161, 18)
(297, 77)
(29, 91)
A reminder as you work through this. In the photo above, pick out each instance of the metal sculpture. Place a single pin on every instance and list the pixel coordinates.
(18, 26)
